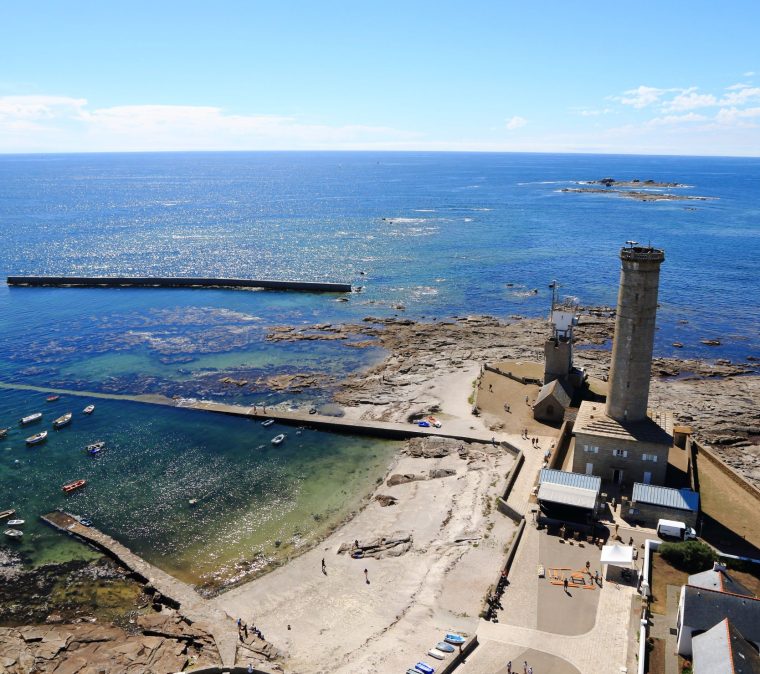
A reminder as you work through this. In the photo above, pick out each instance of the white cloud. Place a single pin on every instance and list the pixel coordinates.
(29, 123)
(595, 113)
(735, 116)
(516, 122)
(741, 96)
(641, 97)
(677, 119)
(689, 99)
(749, 73)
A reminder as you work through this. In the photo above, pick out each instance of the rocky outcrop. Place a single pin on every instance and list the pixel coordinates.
(394, 546)
(69, 649)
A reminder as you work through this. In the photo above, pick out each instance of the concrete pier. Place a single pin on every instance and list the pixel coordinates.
(174, 282)
(192, 606)
(381, 429)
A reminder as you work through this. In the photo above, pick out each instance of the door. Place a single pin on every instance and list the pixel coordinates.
(617, 476)
(589, 469)
(647, 478)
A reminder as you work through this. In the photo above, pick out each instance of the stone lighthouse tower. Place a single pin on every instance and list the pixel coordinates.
(634, 333)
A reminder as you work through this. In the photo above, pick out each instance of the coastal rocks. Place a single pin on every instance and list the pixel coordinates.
(385, 500)
(430, 447)
(93, 648)
(393, 546)
(436, 473)
(396, 478)
(638, 195)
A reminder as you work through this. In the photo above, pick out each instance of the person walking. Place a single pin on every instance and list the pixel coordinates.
(525, 667)
(564, 583)
(509, 667)
(366, 577)
(250, 668)
(324, 566)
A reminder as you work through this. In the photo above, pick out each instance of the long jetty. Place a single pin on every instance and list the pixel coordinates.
(175, 282)
(382, 429)
(192, 606)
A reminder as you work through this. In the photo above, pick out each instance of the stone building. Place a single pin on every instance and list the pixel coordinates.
(552, 401)
(623, 441)
(622, 453)
(650, 503)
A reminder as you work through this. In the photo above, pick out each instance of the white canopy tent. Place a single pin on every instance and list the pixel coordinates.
(618, 555)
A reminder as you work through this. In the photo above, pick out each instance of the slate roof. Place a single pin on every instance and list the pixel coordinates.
(682, 499)
(719, 580)
(723, 648)
(592, 419)
(705, 608)
(555, 389)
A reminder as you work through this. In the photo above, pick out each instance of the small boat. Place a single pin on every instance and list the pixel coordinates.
(62, 421)
(72, 486)
(4, 432)
(268, 422)
(52, 398)
(455, 639)
(423, 424)
(435, 653)
(277, 439)
(31, 418)
(15, 523)
(37, 439)
(444, 647)
(6, 513)
(710, 342)
(85, 522)
(678, 345)
(13, 533)
(434, 422)
(193, 501)
(95, 447)
(89, 409)
(424, 668)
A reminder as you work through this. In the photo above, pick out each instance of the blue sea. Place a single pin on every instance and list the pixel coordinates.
(425, 235)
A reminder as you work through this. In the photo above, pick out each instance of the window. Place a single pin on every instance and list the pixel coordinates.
(620, 452)
(591, 449)
(633, 511)
(649, 457)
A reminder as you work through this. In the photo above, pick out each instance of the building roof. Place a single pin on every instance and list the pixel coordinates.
(682, 499)
(617, 555)
(717, 579)
(556, 390)
(705, 608)
(592, 419)
(550, 475)
(723, 648)
(567, 495)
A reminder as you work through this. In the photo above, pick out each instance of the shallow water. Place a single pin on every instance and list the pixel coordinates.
(436, 235)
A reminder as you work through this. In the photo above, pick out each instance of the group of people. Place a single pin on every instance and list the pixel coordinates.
(526, 669)
(494, 600)
(243, 630)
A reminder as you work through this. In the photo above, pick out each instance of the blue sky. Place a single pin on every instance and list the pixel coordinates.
(666, 78)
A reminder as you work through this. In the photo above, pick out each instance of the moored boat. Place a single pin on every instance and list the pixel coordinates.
(72, 486)
(4, 432)
(95, 447)
(15, 523)
(63, 420)
(37, 438)
(13, 533)
(6, 513)
(89, 409)
(52, 398)
(455, 639)
(277, 439)
(30, 418)
(268, 422)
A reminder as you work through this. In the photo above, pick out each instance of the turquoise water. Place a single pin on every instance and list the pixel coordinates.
(425, 235)
(250, 493)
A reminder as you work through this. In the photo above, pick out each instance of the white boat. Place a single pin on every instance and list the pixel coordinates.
(6, 513)
(37, 439)
(31, 418)
(62, 421)
(15, 523)
(268, 422)
(95, 447)
(13, 533)
(89, 409)
(277, 439)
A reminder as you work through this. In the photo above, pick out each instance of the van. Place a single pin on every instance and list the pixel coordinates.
(677, 530)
